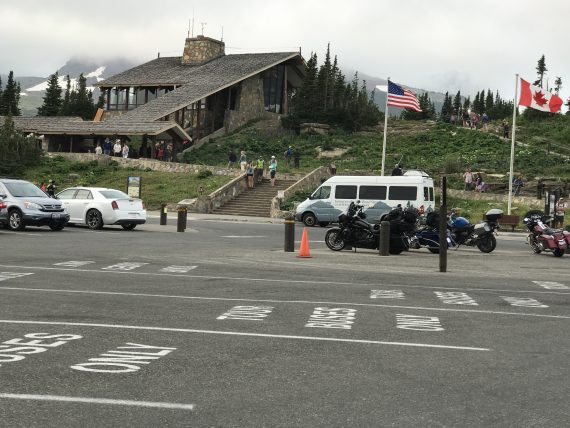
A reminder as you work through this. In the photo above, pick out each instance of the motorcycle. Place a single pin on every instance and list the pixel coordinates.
(544, 238)
(480, 235)
(427, 235)
(354, 231)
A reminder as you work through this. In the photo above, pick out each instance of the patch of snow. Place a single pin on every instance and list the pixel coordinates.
(43, 85)
(97, 73)
(23, 93)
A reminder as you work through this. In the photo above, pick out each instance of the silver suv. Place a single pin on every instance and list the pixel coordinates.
(26, 205)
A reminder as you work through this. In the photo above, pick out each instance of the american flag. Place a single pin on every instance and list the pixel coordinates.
(400, 97)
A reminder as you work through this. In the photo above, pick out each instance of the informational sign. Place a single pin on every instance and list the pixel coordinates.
(134, 186)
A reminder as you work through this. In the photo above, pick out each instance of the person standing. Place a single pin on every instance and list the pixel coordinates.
(43, 186)
(117, 149)
(249, 172)
(242, 160)
(125, 150)
(107, 147)
(272, 169)
(505, 129)
(50, 190)
(260, 168)
(288, 155)
(468, 179)
(232, 159)
(397, 170)
(98, 149)
(559, 213)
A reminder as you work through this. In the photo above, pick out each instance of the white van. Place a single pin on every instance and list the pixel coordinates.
(378, 194)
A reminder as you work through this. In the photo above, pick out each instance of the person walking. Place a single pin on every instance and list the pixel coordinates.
(249, 171)
(272, 169)
(468, 179)
(107, 146)
(559, 213)
(242, 160)
(505, 129)
(50, 190)
(288, 155)
(43, 186)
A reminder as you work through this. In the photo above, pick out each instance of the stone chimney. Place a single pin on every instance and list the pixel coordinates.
(201, 49)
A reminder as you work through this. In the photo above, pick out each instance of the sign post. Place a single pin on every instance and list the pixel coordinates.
(134, 184)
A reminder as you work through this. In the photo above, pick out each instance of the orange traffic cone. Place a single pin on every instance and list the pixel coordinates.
(304, 248)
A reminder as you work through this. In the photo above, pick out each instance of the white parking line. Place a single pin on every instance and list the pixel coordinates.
(62, 398)
(244, 334)
(308, 302)
(287, 281)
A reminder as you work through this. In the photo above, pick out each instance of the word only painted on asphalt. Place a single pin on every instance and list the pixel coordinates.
(32, 343)
(249, 313)
(342, 318)
(419, 323)
(386, 294)
(125, 359)
(11, 275)
(549, 285)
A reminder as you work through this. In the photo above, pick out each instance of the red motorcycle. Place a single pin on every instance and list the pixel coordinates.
(542, 237)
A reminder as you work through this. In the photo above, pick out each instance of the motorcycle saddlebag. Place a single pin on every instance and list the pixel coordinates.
(567, 237)
(481, 229)
(550, 243)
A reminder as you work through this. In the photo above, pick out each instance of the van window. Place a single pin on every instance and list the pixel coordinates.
(373, 192)
(403, 193)
(322, 192)
(431, 198)
(426, 193)
(345, 192)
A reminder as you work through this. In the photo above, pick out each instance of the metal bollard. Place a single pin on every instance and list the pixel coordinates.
(384, 244)
(289, 235)
(163, 214)
(182, 215)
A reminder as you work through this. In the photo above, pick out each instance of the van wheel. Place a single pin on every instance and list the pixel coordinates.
(309, 219)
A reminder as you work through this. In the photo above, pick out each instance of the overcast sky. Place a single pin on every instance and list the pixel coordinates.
(436, 45)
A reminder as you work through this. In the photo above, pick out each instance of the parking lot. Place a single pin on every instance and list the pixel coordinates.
(218, 326)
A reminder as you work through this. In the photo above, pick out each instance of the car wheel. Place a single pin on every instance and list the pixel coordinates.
(56, 226)
(16, 220)
(94, 219)
(129, 226)
(309, 219)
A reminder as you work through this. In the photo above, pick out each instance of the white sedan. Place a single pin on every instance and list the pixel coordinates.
(96, 206)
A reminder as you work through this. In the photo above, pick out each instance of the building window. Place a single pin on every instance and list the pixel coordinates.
(273, 80)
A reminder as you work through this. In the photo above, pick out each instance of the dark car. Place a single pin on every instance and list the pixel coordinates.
(27, 205)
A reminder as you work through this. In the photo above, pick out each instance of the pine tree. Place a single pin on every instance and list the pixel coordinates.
(489, 102)
(10, 97)
(457, 102)
(558, 85)
(52, 98)
(540, 70)
(16, 151)
(467, 103)
(83, 103)
(1, 98)
(66, 104)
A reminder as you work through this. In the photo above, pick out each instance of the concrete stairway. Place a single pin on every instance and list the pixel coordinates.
(254, 202)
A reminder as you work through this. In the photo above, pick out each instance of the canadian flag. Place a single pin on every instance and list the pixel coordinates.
(539, 99)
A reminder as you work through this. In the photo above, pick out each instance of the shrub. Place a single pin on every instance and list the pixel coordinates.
(204, 174)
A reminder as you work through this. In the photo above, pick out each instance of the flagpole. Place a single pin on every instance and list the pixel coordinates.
(515, 108)
(385, 127)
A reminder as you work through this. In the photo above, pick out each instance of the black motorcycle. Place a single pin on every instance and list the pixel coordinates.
(354, 231)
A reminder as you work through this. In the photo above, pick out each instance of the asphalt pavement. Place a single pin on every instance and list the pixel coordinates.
(218, 326)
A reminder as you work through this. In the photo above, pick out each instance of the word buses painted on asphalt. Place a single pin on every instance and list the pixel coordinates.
(17, 349)
(10, 275)
(126, 359)
(332, 318)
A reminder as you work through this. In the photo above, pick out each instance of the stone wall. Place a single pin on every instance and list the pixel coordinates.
(311, 181)
(207, 204)
(249, 105)
(202, 49)
(144, 163)
(503, 198)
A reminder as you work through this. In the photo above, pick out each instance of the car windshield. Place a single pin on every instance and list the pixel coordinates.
(114, 194)
(23, 189)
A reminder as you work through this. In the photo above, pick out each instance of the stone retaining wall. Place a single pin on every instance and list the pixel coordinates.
(145, 164)
(484, 196)
(310, 181)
